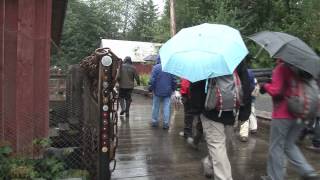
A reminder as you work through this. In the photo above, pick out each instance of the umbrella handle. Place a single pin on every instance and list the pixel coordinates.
(259, 52)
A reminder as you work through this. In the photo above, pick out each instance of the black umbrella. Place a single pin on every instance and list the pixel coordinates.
(150, 58)
(290, 49)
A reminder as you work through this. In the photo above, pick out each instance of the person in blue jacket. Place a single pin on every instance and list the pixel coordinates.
(162, 85)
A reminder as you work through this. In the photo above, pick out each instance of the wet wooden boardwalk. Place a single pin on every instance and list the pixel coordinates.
(147, 153)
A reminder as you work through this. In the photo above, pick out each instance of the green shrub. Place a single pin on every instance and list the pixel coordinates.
(144, 79)
(20, 167)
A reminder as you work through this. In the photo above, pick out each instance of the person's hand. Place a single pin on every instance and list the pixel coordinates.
(262, 90)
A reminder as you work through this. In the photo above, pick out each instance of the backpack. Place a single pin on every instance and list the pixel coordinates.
(224, 93)
(304, 99)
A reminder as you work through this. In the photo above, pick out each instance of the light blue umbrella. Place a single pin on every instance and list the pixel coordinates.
(203, 51)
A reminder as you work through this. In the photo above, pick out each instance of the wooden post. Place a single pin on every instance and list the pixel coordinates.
(172, 18)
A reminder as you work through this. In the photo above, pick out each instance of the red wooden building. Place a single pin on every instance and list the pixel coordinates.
(27, 30)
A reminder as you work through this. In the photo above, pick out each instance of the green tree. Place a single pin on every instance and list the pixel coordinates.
(297, 17)
(85, 24)
(144, 23)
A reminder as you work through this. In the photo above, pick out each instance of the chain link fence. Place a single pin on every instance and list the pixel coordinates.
(76, 146)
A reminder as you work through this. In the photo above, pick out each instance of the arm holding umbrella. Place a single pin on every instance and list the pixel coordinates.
(278, 82)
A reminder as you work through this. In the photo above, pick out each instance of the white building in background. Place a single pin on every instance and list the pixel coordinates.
(137, 50)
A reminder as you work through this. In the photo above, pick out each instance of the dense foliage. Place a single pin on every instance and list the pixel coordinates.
(14, 166)
(89, 20)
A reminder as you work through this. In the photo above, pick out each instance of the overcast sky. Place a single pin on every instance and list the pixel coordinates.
(160, 4)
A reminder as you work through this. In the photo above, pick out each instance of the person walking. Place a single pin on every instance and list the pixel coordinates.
(189, 116)
(127, 75)
(313, 129)
(218, 124)
(250, 125)
(162, 85)
(285, 128)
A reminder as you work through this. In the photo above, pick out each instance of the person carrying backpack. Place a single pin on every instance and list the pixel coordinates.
(286, 127)
(218, 115)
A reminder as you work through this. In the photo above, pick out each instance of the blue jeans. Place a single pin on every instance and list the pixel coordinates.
(166, 102)
(283, 136)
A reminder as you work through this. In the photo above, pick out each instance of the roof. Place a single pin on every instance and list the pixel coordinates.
(59, 8)
(137, 50)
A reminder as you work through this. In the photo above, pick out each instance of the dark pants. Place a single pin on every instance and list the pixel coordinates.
(189, 116)
(314, 129)
(125, 99)
(316, 133)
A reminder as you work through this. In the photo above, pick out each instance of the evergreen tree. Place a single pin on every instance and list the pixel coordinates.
(145, 19)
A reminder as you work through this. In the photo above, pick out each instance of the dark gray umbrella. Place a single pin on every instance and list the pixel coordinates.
(290, 49)
(150, 58)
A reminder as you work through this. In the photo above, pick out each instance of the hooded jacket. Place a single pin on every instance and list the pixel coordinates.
(127, 75)
(161, 83)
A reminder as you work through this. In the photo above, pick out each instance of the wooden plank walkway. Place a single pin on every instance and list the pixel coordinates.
(147, 153)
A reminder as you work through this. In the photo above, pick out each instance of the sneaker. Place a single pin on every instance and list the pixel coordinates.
(207, 167)
(243, 139)
(190, 140)
(181, 133)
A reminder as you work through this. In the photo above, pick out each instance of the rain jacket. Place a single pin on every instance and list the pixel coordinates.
(198, 96)
(161, 83)
(278, 89)
(127, 75)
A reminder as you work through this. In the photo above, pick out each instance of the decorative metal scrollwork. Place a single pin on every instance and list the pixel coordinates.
(102, 68)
